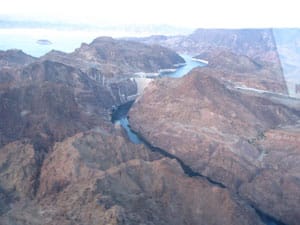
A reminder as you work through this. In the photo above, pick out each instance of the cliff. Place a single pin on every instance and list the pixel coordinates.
(241, 138)
(246, 71)
(215, 153)
(118, 58)
(15, 58)
(63, 162)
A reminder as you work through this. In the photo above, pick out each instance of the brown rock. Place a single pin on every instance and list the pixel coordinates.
(99, 178)
(254, 43)
(279, 175)
(15, 58)
(115, 58)
(216, 129)
(250, 53)
(244, 71)
(18, 173)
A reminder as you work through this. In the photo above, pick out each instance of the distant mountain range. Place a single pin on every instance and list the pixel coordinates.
(259, 44)
(146, 29)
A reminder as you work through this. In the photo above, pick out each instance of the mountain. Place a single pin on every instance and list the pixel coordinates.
(245, 71)
(219, 146)
(63, 162)
(49, 101)
(243, 139)
(98, 177)
(255, 43)
(118, 57)
(113, 63)
(259, 45)
(14, 58)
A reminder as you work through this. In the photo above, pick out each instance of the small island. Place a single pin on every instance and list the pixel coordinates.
(44, 42)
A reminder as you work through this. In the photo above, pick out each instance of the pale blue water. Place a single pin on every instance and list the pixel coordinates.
(190, 64)
(132, 136)
(26, 40)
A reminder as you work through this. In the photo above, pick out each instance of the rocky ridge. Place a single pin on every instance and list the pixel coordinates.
(118, 58)
(113, 63)
(63, 162)
(245, 71)
(15, 58)
(256, 45)
(229, 135)
(98, 177)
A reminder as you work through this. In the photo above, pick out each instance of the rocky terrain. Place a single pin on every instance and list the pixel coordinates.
(48, 100)
(58, 147)
(98, 177)
(244, 140)
(14, 58)
(258, 44)
(242, 46)
(213, 152)
(113, 63)
(245, 71)
(118, 58)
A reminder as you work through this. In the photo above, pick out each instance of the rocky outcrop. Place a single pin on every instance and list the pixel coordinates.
(226, 134)
(98, 177)
(113, 63)
(61, 94)
(245, 71)
(50, 101)
(258, 44)
(18, 172)
(278, 174)
(15, 58)
(118, 58)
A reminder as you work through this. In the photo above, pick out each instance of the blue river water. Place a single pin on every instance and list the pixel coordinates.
(120, 115)
(183, 70)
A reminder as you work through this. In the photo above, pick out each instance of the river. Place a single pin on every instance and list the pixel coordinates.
(119, 116)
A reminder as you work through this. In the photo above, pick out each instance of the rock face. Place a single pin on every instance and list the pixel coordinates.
(63, 162)
(243, 139)
(245, 71)
(254, 43)
(15, 58)
(49, 101)
(99, 178)
(119, 57)
(112, 63)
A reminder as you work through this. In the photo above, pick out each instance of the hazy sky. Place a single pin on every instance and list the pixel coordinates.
(189, 13)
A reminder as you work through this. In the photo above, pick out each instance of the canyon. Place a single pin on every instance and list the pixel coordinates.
(218, 146)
